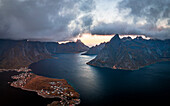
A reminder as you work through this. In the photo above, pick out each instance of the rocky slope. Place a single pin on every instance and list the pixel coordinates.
(132, 54)
(16, 54)
(21, 53)
(95, 49)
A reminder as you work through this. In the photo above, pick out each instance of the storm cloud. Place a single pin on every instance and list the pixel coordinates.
(151, 10)
(48, 19)
(148, 17)
(65, 19)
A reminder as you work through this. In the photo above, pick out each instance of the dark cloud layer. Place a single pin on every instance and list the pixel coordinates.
(48, 19)
(116, 27)
(152, 11)
(169, 22)
(64, 19)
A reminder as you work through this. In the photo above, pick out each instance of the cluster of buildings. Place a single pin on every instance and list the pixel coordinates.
(50, 89)
(24, 69)
(21, 79)
(57, 89)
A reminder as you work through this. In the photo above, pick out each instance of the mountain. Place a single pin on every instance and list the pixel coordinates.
(95, 49)
(15, 54)
(72, 47)
(132, 54)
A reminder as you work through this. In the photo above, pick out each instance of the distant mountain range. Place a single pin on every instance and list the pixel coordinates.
(95, 49)
(125, 53)
(132, 54)
(70, 47)
(21, 53)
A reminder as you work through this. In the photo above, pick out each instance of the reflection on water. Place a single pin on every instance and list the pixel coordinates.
(101, 86)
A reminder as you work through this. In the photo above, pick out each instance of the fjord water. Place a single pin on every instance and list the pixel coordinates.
(102, 86)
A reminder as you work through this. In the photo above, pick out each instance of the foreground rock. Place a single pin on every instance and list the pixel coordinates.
(47, 88)
(132, 54)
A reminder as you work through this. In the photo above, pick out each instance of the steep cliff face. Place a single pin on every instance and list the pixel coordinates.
(21, 53)
(95, 49)
(18, 54)
(131, 54)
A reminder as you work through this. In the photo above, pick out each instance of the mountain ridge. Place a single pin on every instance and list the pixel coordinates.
(94, 50)
(131, 54)
(15, 54)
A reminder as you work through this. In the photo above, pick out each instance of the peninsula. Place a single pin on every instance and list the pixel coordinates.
(47, 88)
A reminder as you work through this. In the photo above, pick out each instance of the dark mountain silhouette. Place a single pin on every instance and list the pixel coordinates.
(21, 53)
(95, 49)
(132, 54)
(71, 47)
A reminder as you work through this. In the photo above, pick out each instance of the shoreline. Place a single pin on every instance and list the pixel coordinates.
(37, 91)
(119, 68)
(46, 87)
(7, 70)
(22, 69)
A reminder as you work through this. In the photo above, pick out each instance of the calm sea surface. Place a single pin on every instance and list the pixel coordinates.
(97, 86)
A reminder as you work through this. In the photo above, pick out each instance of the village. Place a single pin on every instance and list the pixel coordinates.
(49, 88)
(22, 79)
(22, 69)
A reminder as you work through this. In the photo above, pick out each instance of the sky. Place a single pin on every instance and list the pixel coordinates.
(61, 20)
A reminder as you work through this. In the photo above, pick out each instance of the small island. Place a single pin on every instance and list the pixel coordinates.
(47, 88)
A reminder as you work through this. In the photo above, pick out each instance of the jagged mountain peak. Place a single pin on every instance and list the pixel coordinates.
(131, 54)
(116, 37)
(94, 50)
(21, 53)
(139, 38)
(78, 41)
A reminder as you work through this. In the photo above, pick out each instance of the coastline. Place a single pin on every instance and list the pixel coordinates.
(50, 88)
(25, 71)
(22, 69)
(6, 70)
(120, 68)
